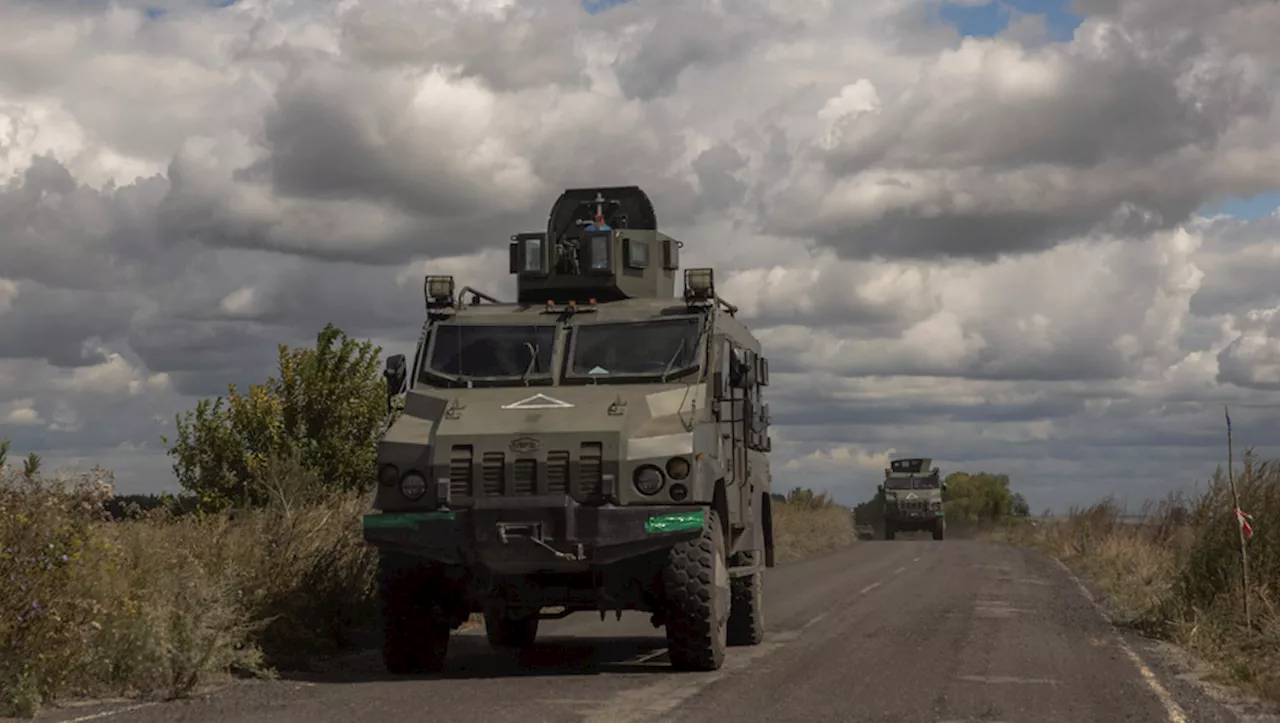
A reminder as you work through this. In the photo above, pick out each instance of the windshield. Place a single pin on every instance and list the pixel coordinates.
(491, 352)
(907, 483)
(646, 348)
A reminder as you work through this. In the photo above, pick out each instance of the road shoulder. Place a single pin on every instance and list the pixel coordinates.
(1182, 676)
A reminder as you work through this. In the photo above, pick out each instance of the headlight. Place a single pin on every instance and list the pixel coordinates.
(413, 486)
(677, 468)
(388, 474)
(648, 480)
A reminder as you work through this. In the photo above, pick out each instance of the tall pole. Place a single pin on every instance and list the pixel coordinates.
(1235, 513)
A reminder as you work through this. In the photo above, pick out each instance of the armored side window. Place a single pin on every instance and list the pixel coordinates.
(637, 253)
(599, 252)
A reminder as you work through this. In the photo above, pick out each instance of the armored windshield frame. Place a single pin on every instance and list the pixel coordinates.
(432, 377)
(915, 482)
(699, 321)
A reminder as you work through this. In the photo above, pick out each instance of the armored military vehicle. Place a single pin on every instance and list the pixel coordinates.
(912, 494)
(597, 445)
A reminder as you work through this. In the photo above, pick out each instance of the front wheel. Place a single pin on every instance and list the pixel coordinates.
(415, 623)
(890, 530)
(696, 587)
(939, 529)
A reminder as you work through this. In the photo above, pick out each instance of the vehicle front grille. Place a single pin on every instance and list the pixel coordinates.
(501, 475)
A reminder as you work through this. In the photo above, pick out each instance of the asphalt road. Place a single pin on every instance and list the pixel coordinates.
(885, 632)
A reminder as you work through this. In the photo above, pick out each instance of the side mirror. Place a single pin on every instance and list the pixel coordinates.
(395, 373)
(944, 486)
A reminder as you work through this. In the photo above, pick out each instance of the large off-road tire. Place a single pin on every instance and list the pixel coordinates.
(890, 530)
(415, 624)
(696, 588)
(511, 630)
(746, 610)
(939, 528)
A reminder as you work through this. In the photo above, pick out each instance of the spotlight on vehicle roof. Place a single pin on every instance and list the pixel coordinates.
(698, 284)
(438, 291)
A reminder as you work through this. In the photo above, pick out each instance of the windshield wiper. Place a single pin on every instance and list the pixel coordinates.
(667, 369)
(533, 361)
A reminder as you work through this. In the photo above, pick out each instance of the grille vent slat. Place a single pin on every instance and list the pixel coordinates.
(461, 470)
(524, 477)
(493, 472)
(591, 469)
(558, 472)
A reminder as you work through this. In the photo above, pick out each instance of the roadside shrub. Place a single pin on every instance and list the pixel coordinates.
(808, 524)
(1175, 572)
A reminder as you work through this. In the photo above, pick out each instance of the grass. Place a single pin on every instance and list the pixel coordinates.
(1175, 575)
(808, 525)
(101, 598)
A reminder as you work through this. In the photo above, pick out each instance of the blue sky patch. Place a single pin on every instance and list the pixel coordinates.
(598, 6)
(1263, 204)
(985, 21)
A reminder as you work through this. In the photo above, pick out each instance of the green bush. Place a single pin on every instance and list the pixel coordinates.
(325, 411)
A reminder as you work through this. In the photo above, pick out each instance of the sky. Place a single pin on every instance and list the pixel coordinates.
(1033, 237)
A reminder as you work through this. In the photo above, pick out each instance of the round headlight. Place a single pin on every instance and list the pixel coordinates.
(388, 474)
(413, 486)
(648, 480)
(677, 468)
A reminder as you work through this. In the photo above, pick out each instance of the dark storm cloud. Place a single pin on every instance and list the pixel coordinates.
(203, 358)
(62, 234)
(53, 324)
(715, 168)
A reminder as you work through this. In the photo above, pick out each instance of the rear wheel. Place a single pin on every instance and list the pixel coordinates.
(415, 623)
(696, 587)
(890, 530)
(746, 611)
(512, 628)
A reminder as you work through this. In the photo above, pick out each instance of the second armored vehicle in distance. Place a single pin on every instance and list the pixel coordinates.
(599, 445)
(912, 495)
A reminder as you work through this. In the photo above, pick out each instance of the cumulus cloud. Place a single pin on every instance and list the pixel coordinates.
(987, 250)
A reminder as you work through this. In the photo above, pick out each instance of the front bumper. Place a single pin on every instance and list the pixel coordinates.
(532, 534)
(918, 516)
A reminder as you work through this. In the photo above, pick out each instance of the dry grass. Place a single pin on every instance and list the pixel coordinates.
(1176, 574)
(159, 604)
(156, 606)
(810, 526)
